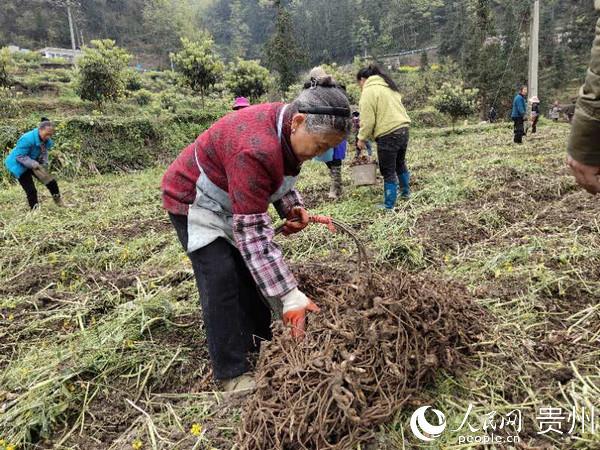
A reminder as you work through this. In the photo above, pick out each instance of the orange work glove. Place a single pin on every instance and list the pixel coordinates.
(295, 307)
(297, 220)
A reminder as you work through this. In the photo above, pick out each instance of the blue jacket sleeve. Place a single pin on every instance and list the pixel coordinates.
(22, 153)
(522, 106)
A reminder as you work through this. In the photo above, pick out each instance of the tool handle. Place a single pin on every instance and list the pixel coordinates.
(323, 220)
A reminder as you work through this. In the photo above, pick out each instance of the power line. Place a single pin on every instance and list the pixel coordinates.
(517, 41)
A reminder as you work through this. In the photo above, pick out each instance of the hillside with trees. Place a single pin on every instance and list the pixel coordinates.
(485, 41)
(334, 31)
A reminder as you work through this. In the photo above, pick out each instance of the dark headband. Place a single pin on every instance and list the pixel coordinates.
(326, 111)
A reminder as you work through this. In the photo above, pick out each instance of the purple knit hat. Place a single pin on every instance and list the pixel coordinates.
(240, 102)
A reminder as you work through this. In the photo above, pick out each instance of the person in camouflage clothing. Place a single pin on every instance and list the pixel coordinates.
(584, 143)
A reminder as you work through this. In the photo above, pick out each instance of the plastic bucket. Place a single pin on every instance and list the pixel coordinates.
(364, 174)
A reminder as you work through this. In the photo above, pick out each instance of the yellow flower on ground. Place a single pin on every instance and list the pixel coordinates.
(196, 429)
(10, 447)
(137, 444)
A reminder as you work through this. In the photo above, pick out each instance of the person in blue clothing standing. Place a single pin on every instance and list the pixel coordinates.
(27, 161)
(519, 113)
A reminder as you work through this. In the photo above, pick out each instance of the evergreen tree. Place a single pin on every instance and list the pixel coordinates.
(283, 54)
(579, 31)
(364, 36)
(482, 60)
(453, 29)
(239, 31)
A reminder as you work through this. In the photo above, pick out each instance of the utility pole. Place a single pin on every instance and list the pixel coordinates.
(534, 50)
(73, 44)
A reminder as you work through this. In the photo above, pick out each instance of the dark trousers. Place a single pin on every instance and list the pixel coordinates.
(236, 318)
(28, 185)
(534, 124)
(334, 163)
(391, 152)
(519, 130)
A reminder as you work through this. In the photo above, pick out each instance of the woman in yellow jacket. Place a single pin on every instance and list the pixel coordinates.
(384, 119)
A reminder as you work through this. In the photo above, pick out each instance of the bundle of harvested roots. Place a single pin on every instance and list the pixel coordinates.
(374, 345)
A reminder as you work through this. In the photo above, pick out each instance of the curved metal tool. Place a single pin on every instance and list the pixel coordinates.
(334, 226)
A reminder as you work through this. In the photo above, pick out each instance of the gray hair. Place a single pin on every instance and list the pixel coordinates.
(324, 94)
(317, 73)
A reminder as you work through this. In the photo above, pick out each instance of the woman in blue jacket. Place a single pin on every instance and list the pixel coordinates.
(27, 160)
(519, 113)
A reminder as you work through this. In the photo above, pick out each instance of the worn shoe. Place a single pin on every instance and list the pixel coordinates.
(243, 383)
(60, 202)
(335, 190)
(332, 193)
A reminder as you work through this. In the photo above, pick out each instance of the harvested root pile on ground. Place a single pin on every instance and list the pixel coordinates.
(361, 161)
(368, 352)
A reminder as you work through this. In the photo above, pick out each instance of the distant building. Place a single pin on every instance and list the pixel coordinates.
(64, 53)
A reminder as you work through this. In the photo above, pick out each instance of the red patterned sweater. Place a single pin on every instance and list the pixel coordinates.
(243, 155)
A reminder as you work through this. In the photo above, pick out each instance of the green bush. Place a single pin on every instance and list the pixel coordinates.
(428, 118)
(199, 64)
(134, 80)
(143, 97)
(418, 87)
(247, 79)
(102, 75)
(456, 101)
(9, 106)
(156, 81)
(172, 101)
(177, 102)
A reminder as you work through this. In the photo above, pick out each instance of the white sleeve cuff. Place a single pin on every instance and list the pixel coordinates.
(295, 299)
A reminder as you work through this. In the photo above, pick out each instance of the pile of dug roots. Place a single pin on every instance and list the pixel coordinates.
(375, 344)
